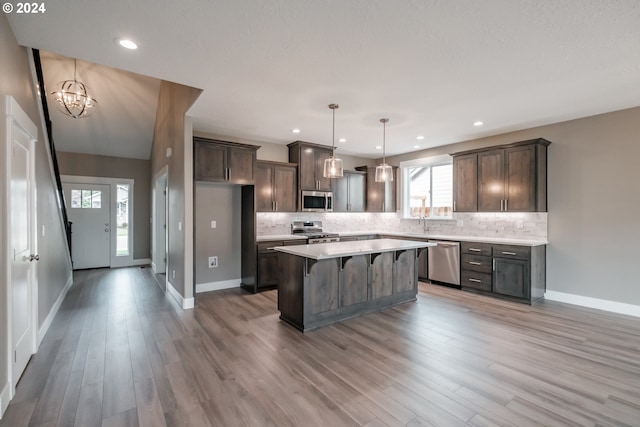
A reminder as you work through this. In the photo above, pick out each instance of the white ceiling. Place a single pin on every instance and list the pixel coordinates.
(433, 67)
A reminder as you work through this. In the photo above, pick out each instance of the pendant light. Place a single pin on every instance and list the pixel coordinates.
(72, 97)
(384, 172)
(333, 165)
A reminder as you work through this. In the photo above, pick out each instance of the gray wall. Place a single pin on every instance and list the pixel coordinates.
(173, 130)
(54, 268)
(119, 167)
(594, 207)
(221, 203)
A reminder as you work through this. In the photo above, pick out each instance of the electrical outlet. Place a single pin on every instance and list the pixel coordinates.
(179, 225)
(214, 224)
(213, 261)
(173, 274)
(520, 225)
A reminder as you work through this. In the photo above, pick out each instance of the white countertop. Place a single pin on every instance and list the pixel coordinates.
(339, 249)
(459, 238)
(269, 238)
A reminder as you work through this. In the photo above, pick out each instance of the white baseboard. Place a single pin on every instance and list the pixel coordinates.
(153, 267)
(601, 304)
(217, 286)
(141, 261)
(5, 398)
(42, 331)
(184, 303)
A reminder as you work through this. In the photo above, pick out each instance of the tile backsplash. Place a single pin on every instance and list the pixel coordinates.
(508, 225)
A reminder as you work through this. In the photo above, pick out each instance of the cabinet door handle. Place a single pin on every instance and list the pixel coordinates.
(475, 280)
(454, 206)
(475, 263)
(273, 205)
(506, 204)
(509, 253)
(494, 264)
(501, 205)
(276, 202)
(475, 250)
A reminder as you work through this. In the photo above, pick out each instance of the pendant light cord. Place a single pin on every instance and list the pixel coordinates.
(384, 140)
(333, 132)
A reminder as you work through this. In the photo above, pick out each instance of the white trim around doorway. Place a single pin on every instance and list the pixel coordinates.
(115, 261)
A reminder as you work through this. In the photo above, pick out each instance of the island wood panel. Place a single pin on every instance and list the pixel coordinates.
(321, 283)
(354, 286)
(290, 288)
(381, 274)
(405, 275)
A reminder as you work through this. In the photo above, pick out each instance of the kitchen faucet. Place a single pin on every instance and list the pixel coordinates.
(425, 225)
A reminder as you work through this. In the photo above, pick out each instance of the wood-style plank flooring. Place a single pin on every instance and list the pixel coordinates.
(119, 353)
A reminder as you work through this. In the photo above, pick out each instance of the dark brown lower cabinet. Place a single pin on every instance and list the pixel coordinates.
(511, 277)
(267, 264)
(509, 271)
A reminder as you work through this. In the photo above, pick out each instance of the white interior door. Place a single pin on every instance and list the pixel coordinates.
(88, 207)
(22, 255)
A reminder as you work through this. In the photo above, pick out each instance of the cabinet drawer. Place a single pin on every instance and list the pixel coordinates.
(511, 251)
(472, 279)
(481, 264)
(264, 247)
(475, 248)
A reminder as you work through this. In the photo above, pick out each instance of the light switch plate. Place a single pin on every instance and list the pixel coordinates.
(179, 225)
(214, 224)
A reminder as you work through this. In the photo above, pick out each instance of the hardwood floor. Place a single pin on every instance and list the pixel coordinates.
(119, 353)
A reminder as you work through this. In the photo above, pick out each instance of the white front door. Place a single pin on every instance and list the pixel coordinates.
(23, 254)
(88, 207)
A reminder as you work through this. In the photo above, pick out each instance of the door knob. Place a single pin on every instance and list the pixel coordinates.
(33, 257)
(106, 230)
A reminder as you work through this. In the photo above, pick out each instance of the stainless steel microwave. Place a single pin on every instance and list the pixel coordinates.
(317, 201)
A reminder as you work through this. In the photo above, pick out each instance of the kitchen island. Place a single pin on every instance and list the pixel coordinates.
(324, 283)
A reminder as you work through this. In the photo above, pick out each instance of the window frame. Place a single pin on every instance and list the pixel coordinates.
(405, 186)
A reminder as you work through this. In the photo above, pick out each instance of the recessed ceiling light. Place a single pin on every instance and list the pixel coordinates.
(127, 44)
(342, 140)
(420, 137)
(295, 130)
(378, 147)
(416, 146)
(478, 123)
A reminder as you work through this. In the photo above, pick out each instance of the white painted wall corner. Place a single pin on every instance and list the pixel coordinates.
(184, 303)
(600, 304)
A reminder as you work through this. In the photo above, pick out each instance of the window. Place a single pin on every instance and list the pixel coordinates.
(122, 220)
(86, 199)
(428, 190)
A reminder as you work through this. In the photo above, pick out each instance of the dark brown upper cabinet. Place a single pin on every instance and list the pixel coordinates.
(221, 161)
(380, 196)
(465, 183)
(276, 187)
(348, 192)
(310, 159)
(507, 178)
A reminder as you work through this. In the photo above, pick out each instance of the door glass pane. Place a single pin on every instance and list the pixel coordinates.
(76, 199)
(86, 199)
(122, 220)
(96, 199)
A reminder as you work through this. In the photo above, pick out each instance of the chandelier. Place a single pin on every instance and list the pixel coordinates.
(333, 165)
(72, 97)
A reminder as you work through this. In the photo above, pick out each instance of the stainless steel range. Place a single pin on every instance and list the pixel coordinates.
(313, 231)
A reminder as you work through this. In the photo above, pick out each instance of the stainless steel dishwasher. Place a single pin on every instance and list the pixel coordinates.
(444, 262)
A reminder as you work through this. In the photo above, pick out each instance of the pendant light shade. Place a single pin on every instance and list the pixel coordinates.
(384, 172)
(73, 99)
(333, 165)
